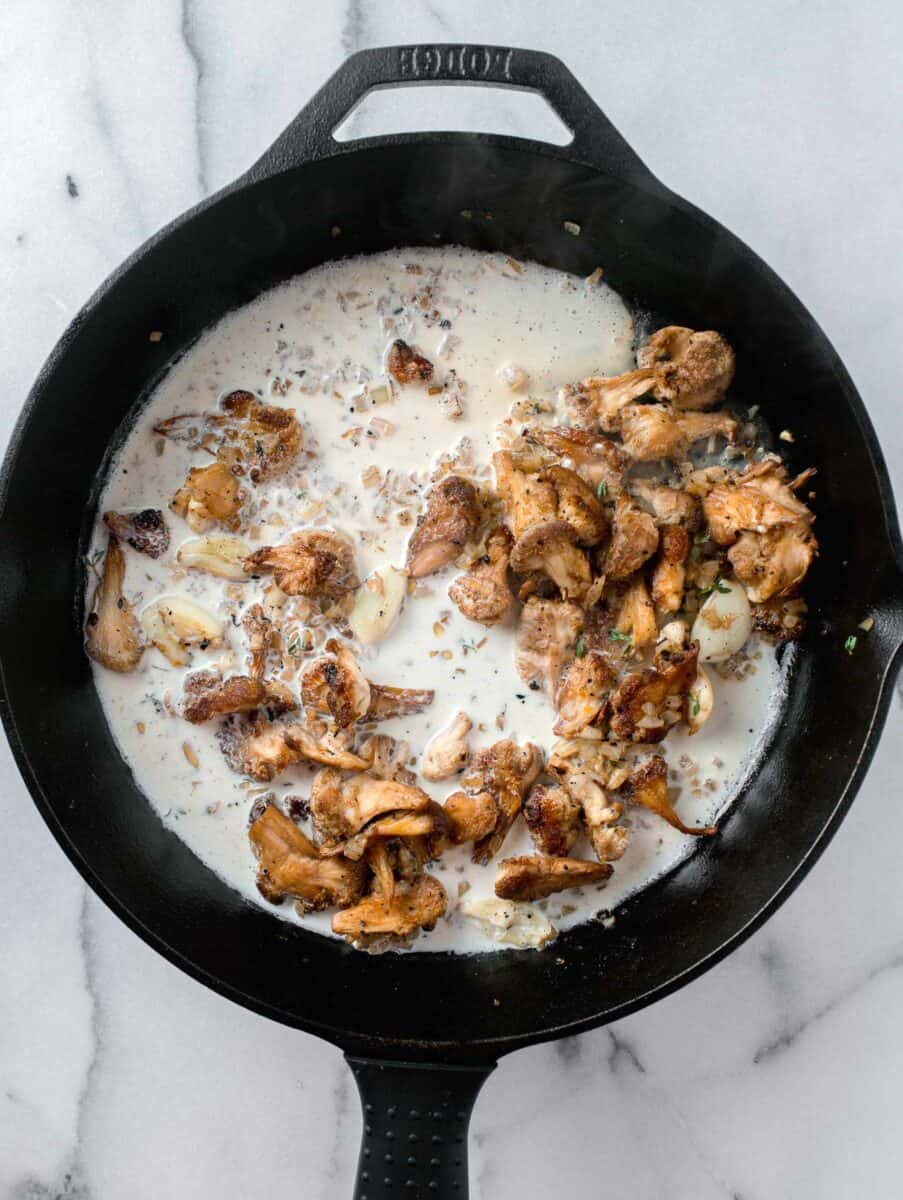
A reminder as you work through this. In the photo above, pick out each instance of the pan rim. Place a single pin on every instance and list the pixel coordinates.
(488, 1048)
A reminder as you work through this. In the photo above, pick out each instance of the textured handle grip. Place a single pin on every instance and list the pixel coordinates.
(415, 1128)
(310, 135)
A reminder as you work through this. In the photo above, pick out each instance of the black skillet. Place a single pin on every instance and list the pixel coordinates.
(422, 1032)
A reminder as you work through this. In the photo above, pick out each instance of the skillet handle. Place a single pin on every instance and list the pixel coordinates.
(415, 1128)
(310, 135)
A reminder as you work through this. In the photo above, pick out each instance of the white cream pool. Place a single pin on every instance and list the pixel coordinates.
(313, 345)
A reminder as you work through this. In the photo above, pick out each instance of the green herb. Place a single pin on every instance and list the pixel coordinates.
(694, 704)
(465, 646)
(718, 586)
(301, 495)
(699, 538)
(580, 647)
(850, 644)
(602, 490)
(617, 635)
(294, 645)
(695, 553)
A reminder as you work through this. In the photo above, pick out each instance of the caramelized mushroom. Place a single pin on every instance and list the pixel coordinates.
(648, 785)
(582, 696)
(447, 752)
(547, 634)
(533, 876)
(507, 772)
(341, 807)
(694, 369)
(553, 817)
(144, 531)
(314, 562)
(417, 905)
(482, 594)
(290, 865)
(444, 529)
(112, 634)
(209, 496)
(207, 694)
(639, 704)
(407, 365)
(472, 815)
(634, 540)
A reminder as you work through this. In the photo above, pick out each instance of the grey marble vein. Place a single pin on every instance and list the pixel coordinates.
(622, 1051)
(106, 126)
(192, 45)
(72, 1184)
(788, 1037)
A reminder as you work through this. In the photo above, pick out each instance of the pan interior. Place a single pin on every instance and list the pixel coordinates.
(656, 252)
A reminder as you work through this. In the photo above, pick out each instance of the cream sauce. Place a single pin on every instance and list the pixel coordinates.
(316, 345)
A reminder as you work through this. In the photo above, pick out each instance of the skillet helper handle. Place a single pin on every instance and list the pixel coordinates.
(310, 135)
(415, 1128)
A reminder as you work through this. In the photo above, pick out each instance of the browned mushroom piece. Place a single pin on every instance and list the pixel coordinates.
(144, 531)
(262, 750)
(694, 369)
(773, 564)
(263, 637)
(262, 439)
(431, 821)
(547, 634)
(648, 785)
(112, 633)
(313, 562)
(634, 540)
(207, 694)
(417, 905)
(551, 549)
(642, 701)
(482, 593)
(597, 459)
(407, 365)
(669, 506)
(388, 702)
(248, 437)
(472, 815)
(636, 616)
(340, 808)
(444, 529)
(529, 498)
(583, 693)
(506, 771)
(653, 431)
(768, 528)
(577, 504)
(387, 758)
(209, 496)
(601, 814)
(601, 399)
(553, 818)
(289, 864)
(334, 683)
(533, 876)
(670, 571)
(780, 620)
(447, 751)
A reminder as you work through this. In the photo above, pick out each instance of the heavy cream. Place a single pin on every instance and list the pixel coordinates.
(317, 345)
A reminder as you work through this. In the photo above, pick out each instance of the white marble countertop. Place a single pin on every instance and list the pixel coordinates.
(779, 1073)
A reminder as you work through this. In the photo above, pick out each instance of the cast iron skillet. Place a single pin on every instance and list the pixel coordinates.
(422, 1032)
